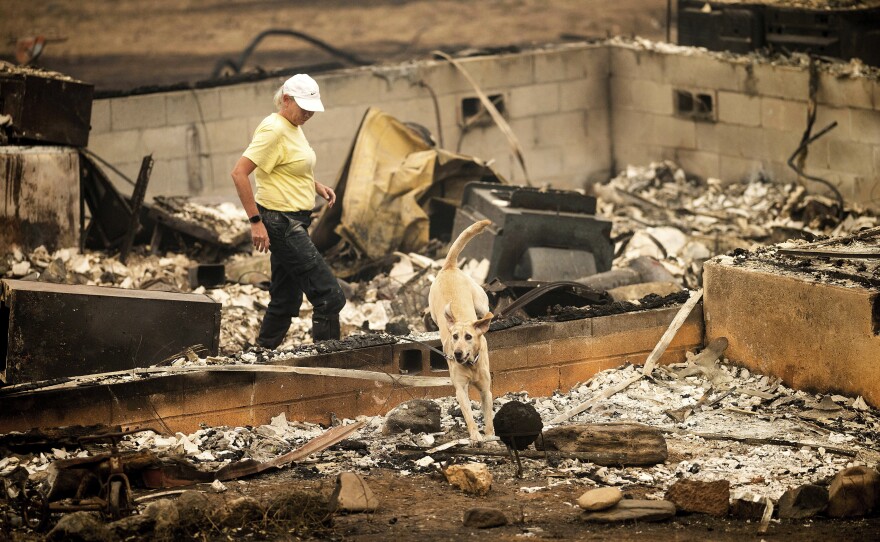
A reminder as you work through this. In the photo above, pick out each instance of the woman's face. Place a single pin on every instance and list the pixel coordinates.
(294, 113)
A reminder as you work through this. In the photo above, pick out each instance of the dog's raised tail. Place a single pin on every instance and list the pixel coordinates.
(462, 240)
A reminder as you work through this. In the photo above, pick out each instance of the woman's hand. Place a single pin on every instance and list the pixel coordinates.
(326, 192)
(260, 237)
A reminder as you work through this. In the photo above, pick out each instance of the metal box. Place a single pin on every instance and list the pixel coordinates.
(547, 235)
(46, 109)
(49, 331)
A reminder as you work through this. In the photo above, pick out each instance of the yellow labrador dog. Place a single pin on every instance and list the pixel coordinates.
(461, 310)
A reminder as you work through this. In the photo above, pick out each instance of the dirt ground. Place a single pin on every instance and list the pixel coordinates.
(426, 508)
(123, 44)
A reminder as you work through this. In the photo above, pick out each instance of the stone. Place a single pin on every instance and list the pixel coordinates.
(131, 526)
(600, 498)
(418, 415)
(352, 494)
(472, 478)
(632, 510)
(55, 272)
(80, 527)
(711, 498)
(853, 492)
(484, 518)
(802, 502)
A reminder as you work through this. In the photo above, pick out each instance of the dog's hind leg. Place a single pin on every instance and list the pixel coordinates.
(488, 414)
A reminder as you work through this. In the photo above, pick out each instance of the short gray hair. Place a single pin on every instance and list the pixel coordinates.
(279, 98)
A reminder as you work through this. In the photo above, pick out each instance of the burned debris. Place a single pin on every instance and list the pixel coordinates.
(668, 347)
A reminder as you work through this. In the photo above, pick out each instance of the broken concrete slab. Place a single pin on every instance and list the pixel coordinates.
(853, 492)
(471, 478)
(831, 346)
(352, 494)
(803, 502)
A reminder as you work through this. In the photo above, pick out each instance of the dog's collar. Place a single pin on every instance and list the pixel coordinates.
(472, 362)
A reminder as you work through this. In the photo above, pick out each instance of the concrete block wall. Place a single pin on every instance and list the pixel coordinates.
(760, 114)
(556, 101)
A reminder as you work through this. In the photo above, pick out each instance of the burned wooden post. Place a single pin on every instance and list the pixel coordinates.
(137, 200)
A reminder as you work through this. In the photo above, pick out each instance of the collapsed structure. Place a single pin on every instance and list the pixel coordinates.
(771, 149)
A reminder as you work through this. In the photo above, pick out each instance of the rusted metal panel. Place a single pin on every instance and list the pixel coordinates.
(46, 109)
(59, 330)
(537, 358)
(39, 198)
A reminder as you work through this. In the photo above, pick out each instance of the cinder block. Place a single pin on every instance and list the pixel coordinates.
(642, 95)
(339, 123)
(866, 125)
(735, 169)
(187, 106)
(244, 100)
(851, 157)
(224, 136)
(825, 115)
(169, 178)
(163, 143)
(133, 112)
(706, 134)
(501, 71)
(116, 147)
(704, 164)
(779, 145)
(783, 114)
(538, 382)
(443, 77)
(846, 91)
(702, 70)
(628, 127)
(673, 132)
(787, 82)
(583, 94)
(740, 141)
(221, 166)
(353, 87)
(418, 110)
(100, 121)
(831, 346)
(626, 153)
(583, 159)
(560, 128)
(636, 63)
(737, 108)
(543, 162)
(529, 100)
(551, 65)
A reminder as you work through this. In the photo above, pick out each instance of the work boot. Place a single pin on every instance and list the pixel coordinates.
(325, 328)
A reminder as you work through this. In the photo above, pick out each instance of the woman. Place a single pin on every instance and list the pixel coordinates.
(280, 213)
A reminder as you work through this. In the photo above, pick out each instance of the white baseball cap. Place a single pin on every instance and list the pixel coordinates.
(304, 90)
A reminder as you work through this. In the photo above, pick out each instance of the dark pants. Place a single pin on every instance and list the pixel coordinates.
(297, 268)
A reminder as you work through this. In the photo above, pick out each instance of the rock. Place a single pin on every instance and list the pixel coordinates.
(853, 492)
(802, 502)
(600, 499)
(472, 478)
(633, 510)
(711, 498)
(418, 415)
(352, 494)
(55, 272)
(80, 527)
(484, 518)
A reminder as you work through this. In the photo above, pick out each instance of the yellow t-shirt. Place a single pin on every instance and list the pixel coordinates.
(285, 165)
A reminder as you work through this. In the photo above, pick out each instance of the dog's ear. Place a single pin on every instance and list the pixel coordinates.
(450, 319)
(483, 323)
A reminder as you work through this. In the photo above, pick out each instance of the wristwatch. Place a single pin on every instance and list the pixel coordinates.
(256, 218)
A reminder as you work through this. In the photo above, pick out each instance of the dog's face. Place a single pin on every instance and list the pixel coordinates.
(463, 342)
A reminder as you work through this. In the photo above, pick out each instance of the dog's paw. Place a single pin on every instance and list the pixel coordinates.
(476, 438)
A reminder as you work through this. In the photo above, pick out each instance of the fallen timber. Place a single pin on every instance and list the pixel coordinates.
(536, 357)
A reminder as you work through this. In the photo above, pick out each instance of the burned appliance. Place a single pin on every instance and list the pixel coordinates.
(544, 235)
(832, 29)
